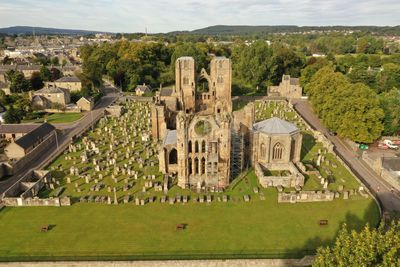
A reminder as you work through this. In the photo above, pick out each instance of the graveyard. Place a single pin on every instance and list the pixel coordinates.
(124, 207)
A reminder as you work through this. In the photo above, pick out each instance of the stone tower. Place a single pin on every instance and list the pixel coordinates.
(185, 83)
(221, 76)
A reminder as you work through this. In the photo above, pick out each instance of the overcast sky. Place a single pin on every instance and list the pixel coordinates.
(171, 15)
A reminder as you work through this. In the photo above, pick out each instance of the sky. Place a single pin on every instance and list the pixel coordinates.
(170, 15)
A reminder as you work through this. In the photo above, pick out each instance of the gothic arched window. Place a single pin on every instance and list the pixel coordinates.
(277, 151)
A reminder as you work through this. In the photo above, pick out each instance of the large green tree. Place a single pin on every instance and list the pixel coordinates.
(351, 110)
(18, 82)
(369, 247)
(390, 103)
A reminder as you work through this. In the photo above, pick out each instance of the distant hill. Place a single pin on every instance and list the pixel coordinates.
(245, 30)
(44, 31)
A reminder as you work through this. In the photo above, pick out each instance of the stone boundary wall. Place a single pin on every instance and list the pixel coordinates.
(294, 179)
(305, 196)
(36, 202)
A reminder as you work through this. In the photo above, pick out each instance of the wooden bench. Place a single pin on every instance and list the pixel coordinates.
(45, 228)
(180, 226)
(323, 222)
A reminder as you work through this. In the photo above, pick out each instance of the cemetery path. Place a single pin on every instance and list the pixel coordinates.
(64, 137)
(389, 199)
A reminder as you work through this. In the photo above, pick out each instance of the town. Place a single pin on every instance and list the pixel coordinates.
(223, 143)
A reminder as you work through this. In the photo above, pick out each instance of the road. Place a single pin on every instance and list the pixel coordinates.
(389, 200)
(65, 133)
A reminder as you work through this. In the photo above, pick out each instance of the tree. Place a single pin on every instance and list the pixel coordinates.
(45, 74)
(36, 81)
(361, 120)
(55, 74)
(18, 83)
(369, 247)
(390, 103)
(351, 110)
(13, 115)
(194, 50)
(55, 61)
(388, 78)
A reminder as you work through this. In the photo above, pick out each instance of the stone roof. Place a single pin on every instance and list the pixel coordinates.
(143, 88)
(28, 67)
(34, 136)
(51, 90)
(275, 126)
(87, 99)
(68, 79)
(166, 92)
(170, 139)
(17, 128)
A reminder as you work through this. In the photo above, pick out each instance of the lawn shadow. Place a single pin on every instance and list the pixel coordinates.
(308, 144)
(352, 221)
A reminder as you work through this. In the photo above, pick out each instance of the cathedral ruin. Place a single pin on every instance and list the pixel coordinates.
(200, 138)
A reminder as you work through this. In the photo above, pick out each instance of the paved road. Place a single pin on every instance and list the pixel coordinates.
(63, 137)
(390, 201)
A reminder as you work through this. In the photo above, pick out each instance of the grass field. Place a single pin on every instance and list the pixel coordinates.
(58, 118)
(259, 228)
(266, 227)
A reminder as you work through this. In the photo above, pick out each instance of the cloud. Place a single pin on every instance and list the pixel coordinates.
(170, 15)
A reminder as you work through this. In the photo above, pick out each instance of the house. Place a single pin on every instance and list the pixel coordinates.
(142, 89)
(12, 132)
(51, 97)
(28, 70)
(22, 146)
(72, 83)
(85, 103)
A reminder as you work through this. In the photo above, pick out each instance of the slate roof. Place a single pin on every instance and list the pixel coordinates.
(143, 88)
(68, 79)
(170, 139)
(51, 90)
(17, 128)
(34, 136)
(275, 126)
(166, 91)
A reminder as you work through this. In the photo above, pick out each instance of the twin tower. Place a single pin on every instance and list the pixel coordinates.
(214, 99)
(192, 122)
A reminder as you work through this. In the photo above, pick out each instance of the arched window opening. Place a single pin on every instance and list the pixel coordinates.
(173, 156)
(203, 146)
(277, 151)
(190, 147)
(190, 167)
(196, 166)
(196, 147)
(203, 166)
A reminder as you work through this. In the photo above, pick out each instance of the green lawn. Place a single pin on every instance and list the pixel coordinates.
(259, 228)
(58, 118)
(266, 227)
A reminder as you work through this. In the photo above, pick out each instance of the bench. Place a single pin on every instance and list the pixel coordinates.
(180, 226)
(323, 222)
(45, 228)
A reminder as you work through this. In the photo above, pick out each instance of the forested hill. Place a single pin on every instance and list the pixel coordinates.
(246, 30)
(43, 31)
